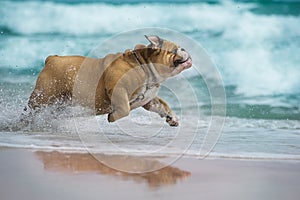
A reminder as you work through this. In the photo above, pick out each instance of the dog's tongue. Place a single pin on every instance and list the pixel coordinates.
(187, 64)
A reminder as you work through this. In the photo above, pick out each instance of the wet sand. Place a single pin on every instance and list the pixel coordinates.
(35, 175)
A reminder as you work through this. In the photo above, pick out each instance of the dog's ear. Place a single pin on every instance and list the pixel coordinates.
(155, 41)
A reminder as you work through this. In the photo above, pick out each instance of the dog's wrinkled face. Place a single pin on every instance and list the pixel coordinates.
(171, 58)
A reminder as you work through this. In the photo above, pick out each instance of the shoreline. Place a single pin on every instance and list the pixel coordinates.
(29, 174)
(211, 156)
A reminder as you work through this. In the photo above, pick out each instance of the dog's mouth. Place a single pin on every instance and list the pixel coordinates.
(187, 63)
(185, 60)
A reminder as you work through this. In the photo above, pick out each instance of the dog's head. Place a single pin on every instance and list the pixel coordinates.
(169, 58)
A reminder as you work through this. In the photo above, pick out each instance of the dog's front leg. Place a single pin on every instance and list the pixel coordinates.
(120, 105)
(161, 107)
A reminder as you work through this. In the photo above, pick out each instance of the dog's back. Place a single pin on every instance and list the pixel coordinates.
(55, 80)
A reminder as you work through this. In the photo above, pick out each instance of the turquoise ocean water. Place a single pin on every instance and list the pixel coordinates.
(254, 44)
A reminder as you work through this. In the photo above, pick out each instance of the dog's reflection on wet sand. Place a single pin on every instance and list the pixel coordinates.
(84, 162)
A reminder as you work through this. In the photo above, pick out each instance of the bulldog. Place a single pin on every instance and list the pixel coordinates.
(114, 84)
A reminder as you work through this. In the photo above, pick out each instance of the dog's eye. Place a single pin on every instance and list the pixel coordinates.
(174, 51)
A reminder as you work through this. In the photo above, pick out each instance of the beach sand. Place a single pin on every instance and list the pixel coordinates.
(35, 175)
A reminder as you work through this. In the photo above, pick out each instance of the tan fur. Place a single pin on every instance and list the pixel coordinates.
(110, 85)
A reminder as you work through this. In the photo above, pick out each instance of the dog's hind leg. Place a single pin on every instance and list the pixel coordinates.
(44, 94)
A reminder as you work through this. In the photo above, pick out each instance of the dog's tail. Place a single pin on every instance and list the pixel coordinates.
(49, 57)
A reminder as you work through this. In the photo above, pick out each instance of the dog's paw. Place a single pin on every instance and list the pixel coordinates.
(110, 118)
(172, 121)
